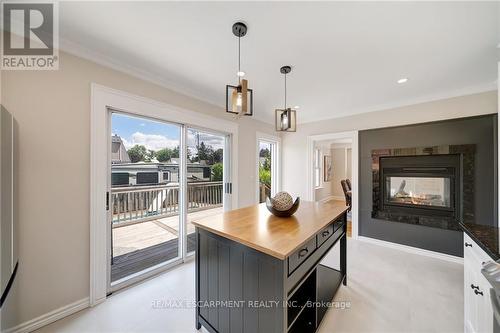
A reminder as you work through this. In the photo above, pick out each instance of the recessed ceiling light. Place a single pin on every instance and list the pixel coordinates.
(403, 80)
(240, 73)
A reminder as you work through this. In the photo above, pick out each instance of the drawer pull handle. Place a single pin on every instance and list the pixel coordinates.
(474, 287)
(478, 292)
(467, 244)
(326, 233)
(303, 252)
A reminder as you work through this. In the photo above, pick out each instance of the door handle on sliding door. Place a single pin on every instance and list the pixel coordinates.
(228, 188)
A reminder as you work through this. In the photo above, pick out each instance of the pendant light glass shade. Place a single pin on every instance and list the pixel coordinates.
(286, 120)
(236, 102)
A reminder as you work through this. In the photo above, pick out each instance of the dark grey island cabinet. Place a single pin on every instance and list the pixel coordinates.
(259, 273)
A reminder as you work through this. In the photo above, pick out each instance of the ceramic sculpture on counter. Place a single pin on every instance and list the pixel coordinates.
(282, 204)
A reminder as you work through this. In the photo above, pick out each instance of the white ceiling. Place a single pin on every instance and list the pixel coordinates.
(346, 57)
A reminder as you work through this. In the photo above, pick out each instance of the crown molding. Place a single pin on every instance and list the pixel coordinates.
(77, 50)
(106, 61)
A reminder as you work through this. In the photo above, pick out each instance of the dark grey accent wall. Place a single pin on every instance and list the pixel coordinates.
(477, 130)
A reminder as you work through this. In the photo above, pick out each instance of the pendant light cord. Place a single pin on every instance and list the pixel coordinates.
(239, 59)
(285, 91)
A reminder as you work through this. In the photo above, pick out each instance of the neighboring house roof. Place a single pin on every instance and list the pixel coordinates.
(155, 165)
(118, 151)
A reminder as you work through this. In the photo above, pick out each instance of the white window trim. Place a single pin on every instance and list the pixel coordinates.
(103, 98)
(317, 165)
(276, 173)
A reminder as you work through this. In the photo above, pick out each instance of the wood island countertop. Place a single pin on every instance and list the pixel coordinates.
(256, 227)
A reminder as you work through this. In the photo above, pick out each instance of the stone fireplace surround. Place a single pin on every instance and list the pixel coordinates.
(466, 203)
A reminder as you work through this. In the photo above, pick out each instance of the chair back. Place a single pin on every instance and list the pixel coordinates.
(348, 181)
(345, 187)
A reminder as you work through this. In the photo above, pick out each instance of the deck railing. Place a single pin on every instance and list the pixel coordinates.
(264, 192)
(137, 204)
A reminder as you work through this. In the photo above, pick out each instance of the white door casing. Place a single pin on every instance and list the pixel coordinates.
(102, 99)
(353, 135)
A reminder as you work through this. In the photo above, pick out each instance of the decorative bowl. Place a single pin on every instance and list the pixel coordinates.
(282, 213)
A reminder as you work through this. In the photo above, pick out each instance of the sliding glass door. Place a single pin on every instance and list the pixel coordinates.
(204, 177)
(162, 177)
(144, 197)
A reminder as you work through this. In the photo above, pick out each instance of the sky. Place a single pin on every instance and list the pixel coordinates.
(264, 145)
(156, 135)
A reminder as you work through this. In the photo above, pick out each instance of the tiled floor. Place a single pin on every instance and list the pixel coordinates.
(388, 291)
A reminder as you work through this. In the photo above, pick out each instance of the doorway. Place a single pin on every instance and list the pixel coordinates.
(333, 172)
(106, 100)
(163, 175)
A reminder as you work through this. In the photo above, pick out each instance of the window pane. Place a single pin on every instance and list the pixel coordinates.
(205, 171)
(265, 165)
(144, 202)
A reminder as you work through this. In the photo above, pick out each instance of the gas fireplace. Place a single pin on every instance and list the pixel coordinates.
(425, 185)
(432, 187)
(418, 191)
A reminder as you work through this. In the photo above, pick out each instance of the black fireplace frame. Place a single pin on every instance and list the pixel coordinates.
(442, 166)
(466, 211)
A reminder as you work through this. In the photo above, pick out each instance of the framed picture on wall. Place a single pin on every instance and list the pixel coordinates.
(327, 168)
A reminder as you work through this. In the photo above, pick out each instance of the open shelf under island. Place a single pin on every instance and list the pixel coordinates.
(256, 272)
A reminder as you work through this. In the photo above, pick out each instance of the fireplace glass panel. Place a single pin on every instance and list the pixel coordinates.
(419, 191)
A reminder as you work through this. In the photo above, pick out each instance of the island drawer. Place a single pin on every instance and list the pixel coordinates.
(299, 256)
(324, 234)
(339, 222)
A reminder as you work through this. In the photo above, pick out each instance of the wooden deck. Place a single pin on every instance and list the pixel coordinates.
(146, 244)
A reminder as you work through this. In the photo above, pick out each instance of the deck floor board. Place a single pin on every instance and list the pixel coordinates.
(140, 246)
(139, 260)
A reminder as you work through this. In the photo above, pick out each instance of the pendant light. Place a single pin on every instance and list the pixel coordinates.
(286, 119)
(239, 99)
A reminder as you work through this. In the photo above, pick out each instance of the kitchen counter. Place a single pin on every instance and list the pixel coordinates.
(257, 228)
(485, 236)
(256, 272)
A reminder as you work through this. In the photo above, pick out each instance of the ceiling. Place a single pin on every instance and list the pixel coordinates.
(346, 57)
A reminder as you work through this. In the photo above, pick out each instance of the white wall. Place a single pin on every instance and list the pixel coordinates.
(52, 109)
(295, 144)
(339, 163)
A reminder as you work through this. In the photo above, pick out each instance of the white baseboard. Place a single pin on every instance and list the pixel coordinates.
(50, 317)
(414, 250)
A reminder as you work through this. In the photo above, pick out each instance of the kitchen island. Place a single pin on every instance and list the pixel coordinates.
(256, 272)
